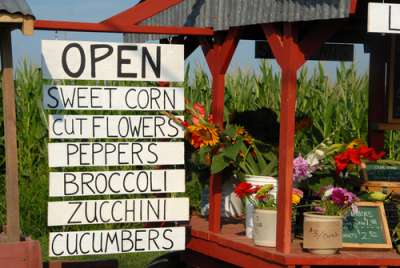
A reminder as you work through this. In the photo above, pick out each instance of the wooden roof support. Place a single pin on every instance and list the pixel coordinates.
(290, 53)
(377, 88)
(26, 22)
(10, 139)
(126, 22)
(141, 12)
(218, 55)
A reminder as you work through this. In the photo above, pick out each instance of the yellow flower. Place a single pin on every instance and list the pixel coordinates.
(202, 135)
(355, 144)
(296, 199)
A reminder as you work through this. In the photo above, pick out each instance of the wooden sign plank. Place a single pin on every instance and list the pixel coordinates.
(368, 228)
(113, 126)
(60, 97)
(81, 60)
(383, 18)
(116, 182)
(77, 212)
(73, 154)
(116, 241)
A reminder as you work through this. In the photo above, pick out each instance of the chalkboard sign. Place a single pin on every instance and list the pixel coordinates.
(376, 172)
(368, 228)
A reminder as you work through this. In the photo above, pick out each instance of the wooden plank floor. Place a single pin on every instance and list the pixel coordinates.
(233, 246)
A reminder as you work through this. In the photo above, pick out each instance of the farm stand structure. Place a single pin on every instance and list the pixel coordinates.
(295, 31)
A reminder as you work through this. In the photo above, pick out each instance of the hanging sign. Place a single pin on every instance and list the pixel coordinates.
(117, 211)
(116, 241)
(383, 18)
(112, 61)
(113, 126)
(80, 141)
(63, 184)
(57, 97)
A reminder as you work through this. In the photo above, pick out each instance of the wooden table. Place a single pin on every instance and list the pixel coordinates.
(232, 246)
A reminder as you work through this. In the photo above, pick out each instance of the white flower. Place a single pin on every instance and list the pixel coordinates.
(327, 193)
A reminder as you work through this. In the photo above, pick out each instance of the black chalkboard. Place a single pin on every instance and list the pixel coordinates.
(367, 228)
(376, 172)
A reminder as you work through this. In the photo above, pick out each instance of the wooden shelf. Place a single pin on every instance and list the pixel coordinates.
(232, 246)
(386, 126)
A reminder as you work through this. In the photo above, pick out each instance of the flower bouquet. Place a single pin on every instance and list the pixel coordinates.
(323, 227)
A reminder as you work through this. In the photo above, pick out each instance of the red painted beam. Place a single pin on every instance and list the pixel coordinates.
(141, 12)
(100, 27)
(218, 56)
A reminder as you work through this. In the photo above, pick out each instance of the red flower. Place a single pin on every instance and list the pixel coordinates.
(199, 109)
(354, 156)
(244, 189)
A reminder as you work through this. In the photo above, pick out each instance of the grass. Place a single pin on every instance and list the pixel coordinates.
(340, 107)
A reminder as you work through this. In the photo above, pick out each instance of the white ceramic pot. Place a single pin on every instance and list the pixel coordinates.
(231, 205)
(264, 233)
(322, 234)
(257, 180)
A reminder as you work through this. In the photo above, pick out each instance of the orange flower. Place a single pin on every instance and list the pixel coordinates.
(202, 135)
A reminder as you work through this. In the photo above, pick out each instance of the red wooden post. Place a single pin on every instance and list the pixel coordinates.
(376, 97)
(218, 56)
(290, 54)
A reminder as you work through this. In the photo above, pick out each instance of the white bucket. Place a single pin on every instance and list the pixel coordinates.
(257, 180)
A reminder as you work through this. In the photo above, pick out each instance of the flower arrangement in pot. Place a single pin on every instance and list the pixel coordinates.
(323, 227)
(264, 217)
(258, 168)
(264, 204)
(219, 150)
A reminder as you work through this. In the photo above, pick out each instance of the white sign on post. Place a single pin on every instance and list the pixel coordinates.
(383, 18)
(78, 154)
(119, 62)
(116, 241)
(117, 211)
(113, 126)
(63, 184)
(112, 61)
(56, 97)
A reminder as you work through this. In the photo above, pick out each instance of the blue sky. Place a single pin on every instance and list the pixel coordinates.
(98, 10)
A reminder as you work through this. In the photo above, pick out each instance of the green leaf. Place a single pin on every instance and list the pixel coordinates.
(232, 151)
(218, 163)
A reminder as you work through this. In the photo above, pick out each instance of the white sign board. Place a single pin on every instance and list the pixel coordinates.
(383, 18)
(117, 211)
(112, 61)
(74, 154)
(116, 241)
(64, 184)
(101, 140)
(60, 97)
(113, 126)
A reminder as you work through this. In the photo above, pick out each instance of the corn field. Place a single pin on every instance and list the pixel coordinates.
(335, 107)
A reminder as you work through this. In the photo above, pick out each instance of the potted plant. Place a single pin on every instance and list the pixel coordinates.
(259, 168)
(323, 227)
(264, 232)
(218, 149)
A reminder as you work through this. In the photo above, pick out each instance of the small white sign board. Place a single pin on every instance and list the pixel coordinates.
(77, 212)
(64, 184)
(116, 241)
(60, 97)
(383, 18)
(112, 61)
(113, 126)
(78, 154)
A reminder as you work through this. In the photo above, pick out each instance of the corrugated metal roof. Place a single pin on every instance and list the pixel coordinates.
(222, 14)
(15, 6)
